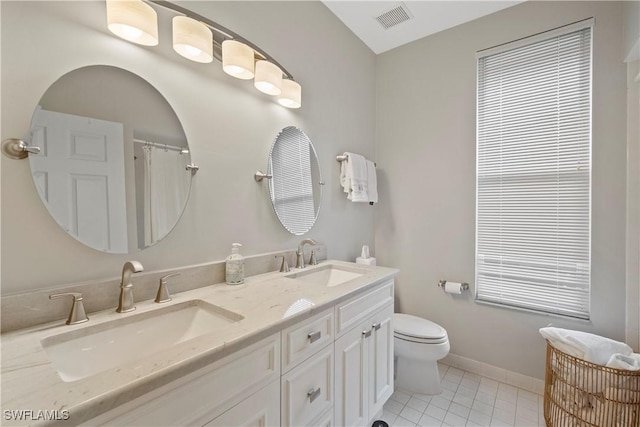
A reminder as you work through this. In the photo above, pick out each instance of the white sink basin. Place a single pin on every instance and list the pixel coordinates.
(84, 352)
(328, 275)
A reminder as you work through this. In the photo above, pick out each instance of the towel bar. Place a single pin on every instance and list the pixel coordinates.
(341, 158)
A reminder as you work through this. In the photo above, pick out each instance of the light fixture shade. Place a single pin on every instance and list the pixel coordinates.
(268, 78)
(192, 39)
(133, 20)
(237, 59)
(291, 96)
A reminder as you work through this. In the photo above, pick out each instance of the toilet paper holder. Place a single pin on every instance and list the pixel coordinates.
(441, 283)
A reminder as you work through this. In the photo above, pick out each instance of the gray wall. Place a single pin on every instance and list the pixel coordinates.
(633, 205)
(425, 146)
(229, 125)
(631, 12)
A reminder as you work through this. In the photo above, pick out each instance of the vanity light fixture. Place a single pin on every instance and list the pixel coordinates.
(268, 78)
(238, 59)
(133, 20)
(291, 96)
(200, 39)
(192, 39)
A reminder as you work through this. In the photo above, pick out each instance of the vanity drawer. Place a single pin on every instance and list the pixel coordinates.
(302, 340)
(202, 395)
(352, 312)
(307, 390)
(260, 409)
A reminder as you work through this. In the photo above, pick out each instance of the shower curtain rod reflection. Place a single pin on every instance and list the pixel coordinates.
(180, 150)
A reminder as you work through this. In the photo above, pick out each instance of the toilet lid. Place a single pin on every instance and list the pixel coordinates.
(417, 327)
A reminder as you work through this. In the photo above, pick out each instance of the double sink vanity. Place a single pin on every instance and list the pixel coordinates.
(313, 346)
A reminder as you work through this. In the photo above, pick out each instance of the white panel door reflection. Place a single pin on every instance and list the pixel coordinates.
(81, 176)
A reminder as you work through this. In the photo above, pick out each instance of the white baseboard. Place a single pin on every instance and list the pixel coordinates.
(515, 379)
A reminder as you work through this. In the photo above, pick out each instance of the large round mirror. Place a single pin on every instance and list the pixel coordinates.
(296, 183)
(112, 166)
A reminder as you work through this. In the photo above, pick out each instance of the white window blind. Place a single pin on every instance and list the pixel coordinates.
(534, 173)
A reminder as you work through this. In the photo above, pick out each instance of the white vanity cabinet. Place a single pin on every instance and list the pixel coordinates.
(333, 368)
(364, 357)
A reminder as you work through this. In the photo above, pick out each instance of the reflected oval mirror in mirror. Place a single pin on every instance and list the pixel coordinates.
(112, 166)
(296, 184)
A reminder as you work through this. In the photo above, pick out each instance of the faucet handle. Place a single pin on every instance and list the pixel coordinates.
(77, 313)
(163, 290)
(284, 267)
(163, 279)
(313, 259)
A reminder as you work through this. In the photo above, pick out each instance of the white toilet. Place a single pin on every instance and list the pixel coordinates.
(419, 344)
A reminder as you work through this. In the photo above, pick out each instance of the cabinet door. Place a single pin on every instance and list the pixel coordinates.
(262, 409)
(380, 359)
(351, 359)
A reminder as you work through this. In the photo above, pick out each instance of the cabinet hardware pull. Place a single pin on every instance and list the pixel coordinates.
(376, 326)
(313, 394)
(366, 334)
(314, 336)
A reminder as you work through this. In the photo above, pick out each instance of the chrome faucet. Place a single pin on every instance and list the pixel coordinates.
(126, 303)
(300, 253)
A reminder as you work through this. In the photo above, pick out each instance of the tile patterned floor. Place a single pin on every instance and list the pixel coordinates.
(466, 400)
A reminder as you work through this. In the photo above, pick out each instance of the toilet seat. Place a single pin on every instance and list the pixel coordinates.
(418, 330)
(421, 341)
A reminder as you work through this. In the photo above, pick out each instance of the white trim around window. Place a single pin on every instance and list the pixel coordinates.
(533, 191)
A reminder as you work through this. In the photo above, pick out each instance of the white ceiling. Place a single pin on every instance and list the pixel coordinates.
(429, 17)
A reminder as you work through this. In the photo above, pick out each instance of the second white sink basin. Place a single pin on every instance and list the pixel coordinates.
(84, 352)
(328, 275)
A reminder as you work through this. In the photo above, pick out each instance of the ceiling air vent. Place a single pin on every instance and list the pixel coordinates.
(397, 15)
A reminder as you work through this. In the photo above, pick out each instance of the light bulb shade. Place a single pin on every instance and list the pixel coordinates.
(192, 39)
(133, 20)
(268, 78)
(237, 59)
(291, 96)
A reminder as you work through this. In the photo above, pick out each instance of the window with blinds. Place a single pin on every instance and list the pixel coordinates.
(534, 173)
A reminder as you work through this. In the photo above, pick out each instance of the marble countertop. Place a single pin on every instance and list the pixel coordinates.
(31, 383)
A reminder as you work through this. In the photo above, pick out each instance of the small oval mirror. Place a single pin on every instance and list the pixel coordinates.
(296, 184)
(111, 170)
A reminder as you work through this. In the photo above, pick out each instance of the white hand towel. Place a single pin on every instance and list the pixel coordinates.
(372, 182)
(590, 347)
(630, 362)
(356, 177)
(345, 180)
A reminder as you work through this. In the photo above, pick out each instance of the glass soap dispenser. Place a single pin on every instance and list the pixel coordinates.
(234, 272)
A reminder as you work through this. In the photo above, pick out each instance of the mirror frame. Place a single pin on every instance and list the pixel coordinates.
(135, 130)
(318, 187)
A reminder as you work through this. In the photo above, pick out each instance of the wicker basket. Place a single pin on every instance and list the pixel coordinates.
(578, 393)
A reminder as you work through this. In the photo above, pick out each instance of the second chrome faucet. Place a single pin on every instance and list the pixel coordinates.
(126, 302)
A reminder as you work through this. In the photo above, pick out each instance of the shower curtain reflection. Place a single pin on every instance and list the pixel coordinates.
(166, 189)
